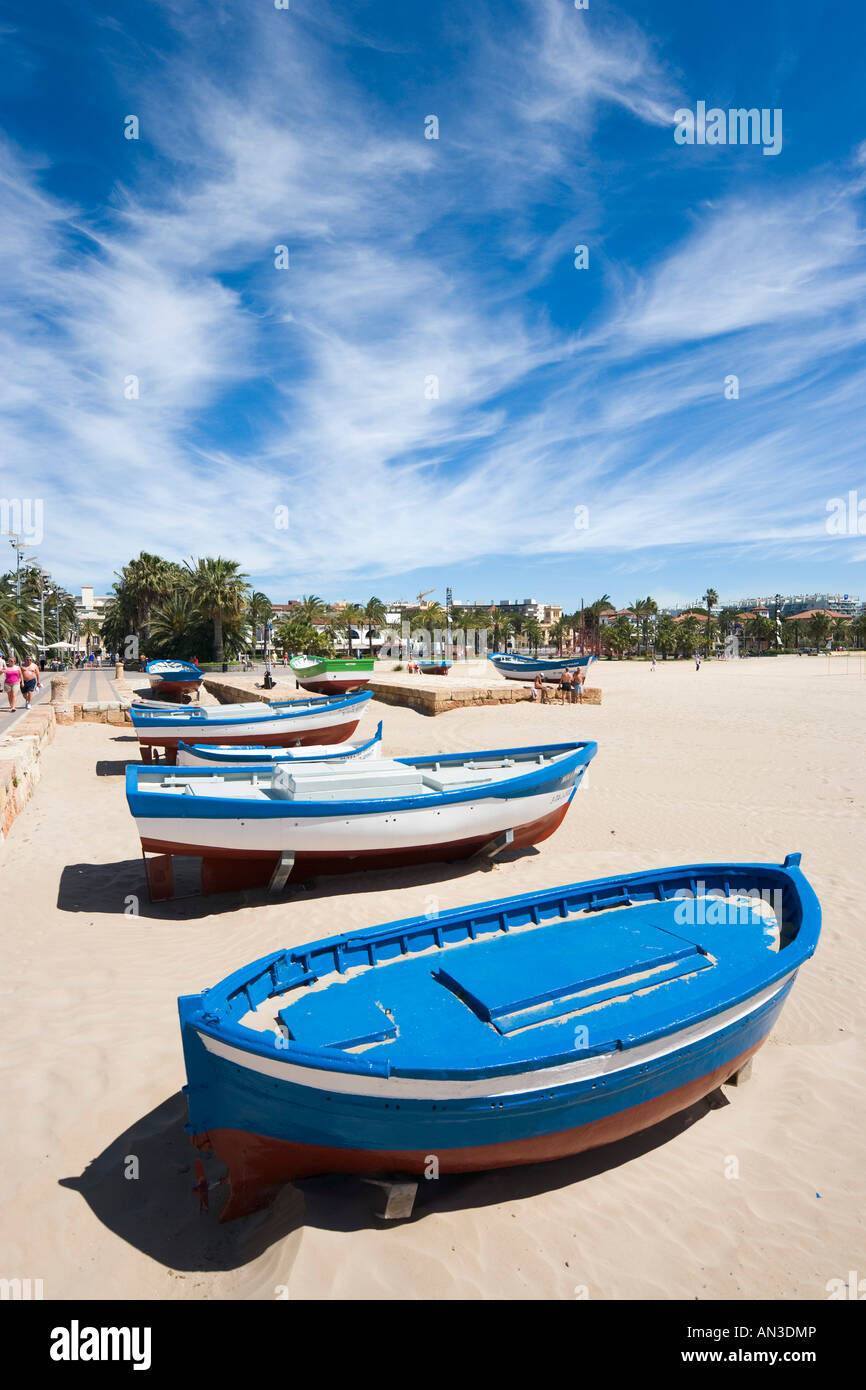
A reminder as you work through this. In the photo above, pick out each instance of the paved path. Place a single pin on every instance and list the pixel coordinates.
(84, 686)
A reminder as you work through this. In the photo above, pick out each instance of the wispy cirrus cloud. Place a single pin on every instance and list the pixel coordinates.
(313, 387)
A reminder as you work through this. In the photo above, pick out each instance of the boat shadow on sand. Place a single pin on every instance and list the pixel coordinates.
(158, 1213)
(112, 887)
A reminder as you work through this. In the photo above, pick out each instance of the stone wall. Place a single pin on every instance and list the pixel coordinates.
(20, 768)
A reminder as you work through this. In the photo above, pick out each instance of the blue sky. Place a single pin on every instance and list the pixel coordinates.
(308, 388)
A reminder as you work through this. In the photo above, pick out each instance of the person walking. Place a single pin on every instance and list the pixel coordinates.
(653, 666)
(11, 681)
(697, 661)
(29, 679)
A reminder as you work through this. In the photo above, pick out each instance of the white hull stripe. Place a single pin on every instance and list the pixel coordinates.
(385, 830)
(516, 1084)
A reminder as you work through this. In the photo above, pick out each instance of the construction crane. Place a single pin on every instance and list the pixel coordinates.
(421, 597)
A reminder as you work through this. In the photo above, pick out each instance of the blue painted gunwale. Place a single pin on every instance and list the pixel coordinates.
(150, 805)
(212, 1012)
(246, 754)
(170, 719)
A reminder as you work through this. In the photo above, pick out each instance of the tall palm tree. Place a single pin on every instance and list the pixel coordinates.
(147, 580)
(533, 632)
(352, 616)
(259, 612)
(89, 629)
(711, 598)
(313, 608)
(374, 615)
(219, 592)
(559, 632)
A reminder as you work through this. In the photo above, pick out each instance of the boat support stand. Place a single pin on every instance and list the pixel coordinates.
(400, 1193)
(489, 852)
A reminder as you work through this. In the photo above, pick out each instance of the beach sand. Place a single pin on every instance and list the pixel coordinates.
(743, 760)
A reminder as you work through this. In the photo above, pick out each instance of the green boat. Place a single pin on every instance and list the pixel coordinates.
(332, 676)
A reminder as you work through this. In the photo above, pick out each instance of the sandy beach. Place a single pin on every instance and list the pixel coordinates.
(745, 760)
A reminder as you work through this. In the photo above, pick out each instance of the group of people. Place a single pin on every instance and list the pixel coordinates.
(570, 687)
(23, 675)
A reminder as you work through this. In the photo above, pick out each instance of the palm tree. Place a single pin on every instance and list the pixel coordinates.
(712, 599)
(858, 630)
(89, 628)
(666, 636)
(559, 632)
(760, 630)
(313, 608)
(593, 613)
(173, 622)
(841, 632)
(534, 632)
(374, 615)
(819, 629)
(344, 620)
(18, 620)
(620, 636)
(687, 635)
(219, 591)
(260, 610)
(147, 580)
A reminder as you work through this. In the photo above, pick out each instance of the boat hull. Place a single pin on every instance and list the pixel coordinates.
(241, 866)
(289, 724)
(285, 1132)
(325, 685)
(172, 688)
(334, 677)
(525, 669)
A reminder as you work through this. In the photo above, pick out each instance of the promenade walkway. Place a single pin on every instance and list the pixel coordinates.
(84, 686)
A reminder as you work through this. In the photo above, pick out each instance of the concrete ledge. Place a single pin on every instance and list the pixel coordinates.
(435, 695)
(20, 769)
(230, 694)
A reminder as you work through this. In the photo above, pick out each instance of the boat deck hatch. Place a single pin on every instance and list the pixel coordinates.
(337, 1017)
(515, 981)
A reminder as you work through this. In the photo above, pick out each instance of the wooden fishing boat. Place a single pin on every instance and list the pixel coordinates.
(172, 678)
(332, 676)
(264, 825)
(434, 668)
(520, 1030)
(525, 668)
(225, 755)
(297, 722)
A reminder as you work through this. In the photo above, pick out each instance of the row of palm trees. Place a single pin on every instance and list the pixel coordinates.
(28, 600)
(180, 610)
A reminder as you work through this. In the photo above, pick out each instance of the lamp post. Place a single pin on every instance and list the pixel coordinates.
(269, 681)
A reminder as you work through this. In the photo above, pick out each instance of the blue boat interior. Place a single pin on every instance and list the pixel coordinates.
(595, 978)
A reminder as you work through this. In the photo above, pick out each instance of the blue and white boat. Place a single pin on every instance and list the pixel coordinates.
(525, 668)
(226, 755)
(173, 677)
(319, 719)
(513, 1031)
(264, 825)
